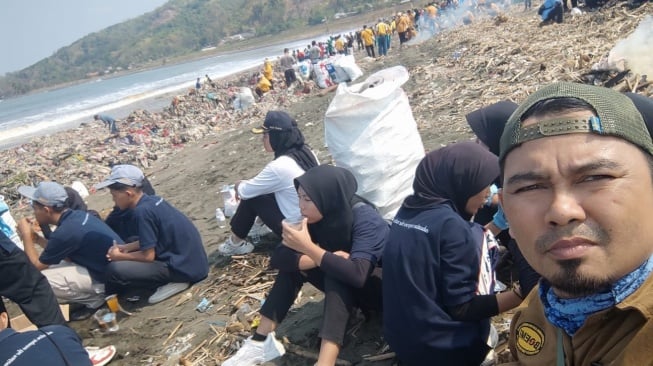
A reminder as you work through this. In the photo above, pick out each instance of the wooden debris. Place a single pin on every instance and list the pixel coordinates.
(174, 331)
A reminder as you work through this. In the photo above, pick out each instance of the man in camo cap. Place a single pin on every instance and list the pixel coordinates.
(577, 166)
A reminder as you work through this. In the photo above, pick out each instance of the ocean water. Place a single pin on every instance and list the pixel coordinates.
(54, 110)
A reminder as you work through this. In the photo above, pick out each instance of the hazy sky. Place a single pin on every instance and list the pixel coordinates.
(31, 30)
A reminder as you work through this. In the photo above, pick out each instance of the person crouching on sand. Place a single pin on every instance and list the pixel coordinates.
(271, 194)
(337, 248)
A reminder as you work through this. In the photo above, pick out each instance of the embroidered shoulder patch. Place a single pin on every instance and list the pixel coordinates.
(530, 339)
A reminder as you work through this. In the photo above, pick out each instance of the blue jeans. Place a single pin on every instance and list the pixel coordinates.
(382, 43)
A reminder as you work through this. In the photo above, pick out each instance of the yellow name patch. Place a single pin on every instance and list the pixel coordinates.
(530, 339)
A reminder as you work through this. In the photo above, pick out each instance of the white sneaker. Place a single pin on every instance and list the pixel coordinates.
(253, 353)
(228, 248)
(167, 290)
(259, 229)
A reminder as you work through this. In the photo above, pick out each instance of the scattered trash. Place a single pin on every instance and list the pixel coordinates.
(204, 305)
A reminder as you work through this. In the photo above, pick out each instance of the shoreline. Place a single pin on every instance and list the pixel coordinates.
(199, 55)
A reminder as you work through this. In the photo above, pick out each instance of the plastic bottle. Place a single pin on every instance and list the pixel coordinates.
(219, 215)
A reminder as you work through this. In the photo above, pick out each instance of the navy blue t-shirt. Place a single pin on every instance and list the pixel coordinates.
(36, 348)
(431, 261)
(173, 236)
(7, 244)
(369, 234)
(82, 238)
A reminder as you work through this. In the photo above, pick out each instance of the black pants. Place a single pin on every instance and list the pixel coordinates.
(290, 76)
(339, 299)
(370, 50)
(25, 285)
(265, 207)
(124, 276)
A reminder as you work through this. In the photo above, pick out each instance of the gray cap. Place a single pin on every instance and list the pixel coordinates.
(616, 115)
(126, 174)
(49, 194)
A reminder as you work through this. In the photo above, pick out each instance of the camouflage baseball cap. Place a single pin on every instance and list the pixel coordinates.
(616, 116)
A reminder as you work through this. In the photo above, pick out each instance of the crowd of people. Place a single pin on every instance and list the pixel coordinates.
(562, 182)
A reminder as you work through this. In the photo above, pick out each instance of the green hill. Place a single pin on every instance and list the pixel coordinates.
(178, 28)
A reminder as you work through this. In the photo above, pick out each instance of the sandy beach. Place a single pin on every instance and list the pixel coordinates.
(189, 155)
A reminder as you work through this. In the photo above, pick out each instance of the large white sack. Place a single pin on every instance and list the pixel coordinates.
(370, 130)
(347, 63)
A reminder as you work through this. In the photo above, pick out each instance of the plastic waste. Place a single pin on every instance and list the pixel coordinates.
(219, 215)
(8, 224)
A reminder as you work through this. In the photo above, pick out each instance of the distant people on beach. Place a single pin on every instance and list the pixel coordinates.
(74, 256)
(367, 34)
(167, 255)
(198, 86)
(108, 121)
(208, 80)
(286, 62)
(271, 194)
(268, 70)
(551, 11)
(336, 247)
(263, 86)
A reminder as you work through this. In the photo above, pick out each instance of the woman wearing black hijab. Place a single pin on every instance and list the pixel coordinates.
(271, 194)
(488, 123)
(338, 250)
(438, 290)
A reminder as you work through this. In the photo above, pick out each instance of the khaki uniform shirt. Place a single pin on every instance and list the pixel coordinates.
(622, 335)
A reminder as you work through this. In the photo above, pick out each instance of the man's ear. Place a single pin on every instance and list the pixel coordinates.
(4, 320)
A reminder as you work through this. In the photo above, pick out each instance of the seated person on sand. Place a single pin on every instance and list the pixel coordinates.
(270, 195)
(438, 274)
(52, 345)
(337, 249)
(120, 220)
(263, 86)
(26, 286)
(74, 257)
(168, 255)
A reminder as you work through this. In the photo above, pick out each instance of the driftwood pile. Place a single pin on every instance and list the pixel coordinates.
(487, 61)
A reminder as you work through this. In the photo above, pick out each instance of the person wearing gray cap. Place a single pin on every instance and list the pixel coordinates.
(168, 255)
(577, 167)
(74, 256)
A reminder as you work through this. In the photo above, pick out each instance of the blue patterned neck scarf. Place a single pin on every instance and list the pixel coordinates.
(570, 314)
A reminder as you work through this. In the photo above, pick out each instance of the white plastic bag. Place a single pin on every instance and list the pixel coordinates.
(8, 224)
(370, 130)
(347, 64)
(244, 99)
(229, 197)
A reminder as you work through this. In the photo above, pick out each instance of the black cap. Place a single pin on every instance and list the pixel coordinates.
(276, 121)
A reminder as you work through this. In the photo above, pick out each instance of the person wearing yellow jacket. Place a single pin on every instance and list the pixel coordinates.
(368, 40)
(382, 30)
(263, 86)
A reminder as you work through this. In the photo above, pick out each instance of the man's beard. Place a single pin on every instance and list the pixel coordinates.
(576, 284)
(570, 280)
